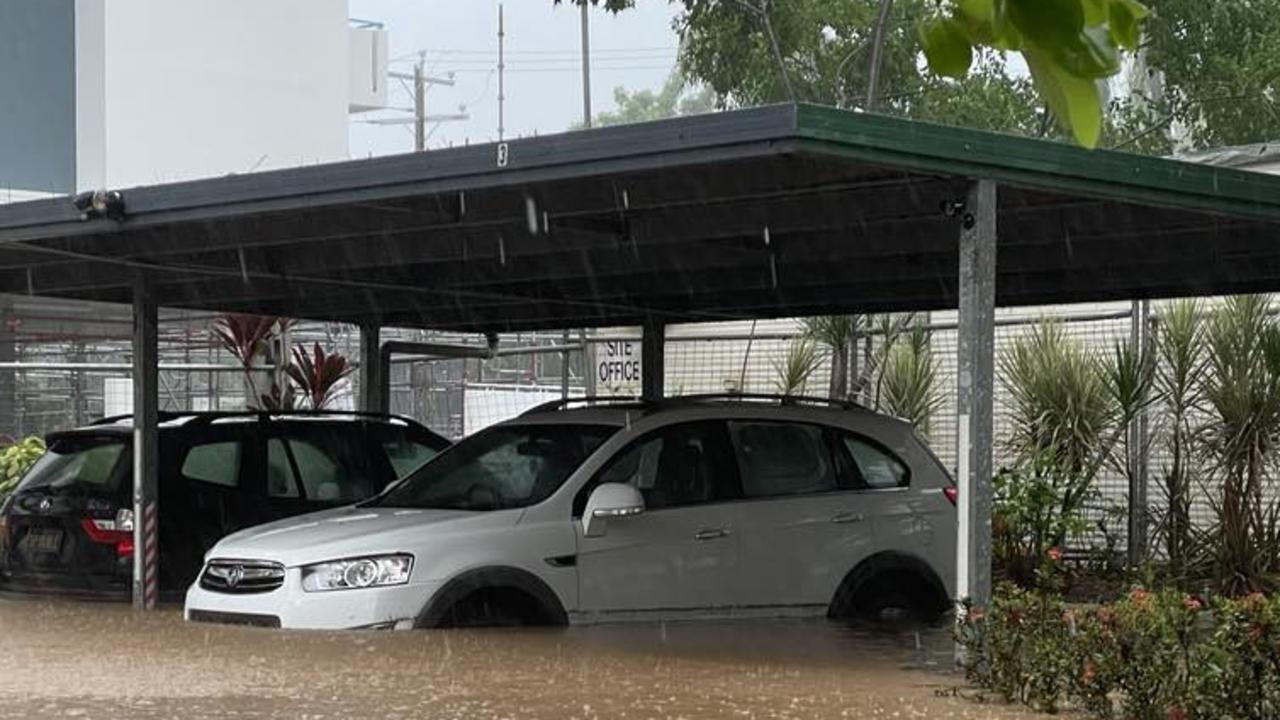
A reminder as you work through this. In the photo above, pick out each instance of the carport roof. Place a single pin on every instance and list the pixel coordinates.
(768, 212)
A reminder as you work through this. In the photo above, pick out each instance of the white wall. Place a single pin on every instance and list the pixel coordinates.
(202, 88)
(367, 70)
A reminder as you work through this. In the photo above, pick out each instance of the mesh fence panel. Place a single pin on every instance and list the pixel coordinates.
(460, 396)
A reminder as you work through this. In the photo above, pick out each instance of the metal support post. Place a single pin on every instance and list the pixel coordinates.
(564, 367)
(974, 386)
(375, 388)
(146, 448)
(1137, 445)
(8, 378)
(588, 364)
(652, 357)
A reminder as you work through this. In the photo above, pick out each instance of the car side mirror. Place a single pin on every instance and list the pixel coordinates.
(610, 500)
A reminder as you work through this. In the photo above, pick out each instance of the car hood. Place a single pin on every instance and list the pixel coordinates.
(352, 531)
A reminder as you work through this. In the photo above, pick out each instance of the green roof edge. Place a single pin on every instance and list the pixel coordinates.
(943, 150)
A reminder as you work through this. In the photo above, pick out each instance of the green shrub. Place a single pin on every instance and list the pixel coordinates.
(1149, 656)
(15, 459)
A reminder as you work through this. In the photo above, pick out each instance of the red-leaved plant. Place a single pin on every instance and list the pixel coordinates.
(317, 374)
(248, 337)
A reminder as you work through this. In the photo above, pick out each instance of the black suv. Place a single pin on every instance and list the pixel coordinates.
(68, 525)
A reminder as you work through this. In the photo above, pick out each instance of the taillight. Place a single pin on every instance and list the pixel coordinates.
(952, 492)
(107, 532)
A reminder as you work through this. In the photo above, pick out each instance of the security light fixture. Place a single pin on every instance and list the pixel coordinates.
(100, 203)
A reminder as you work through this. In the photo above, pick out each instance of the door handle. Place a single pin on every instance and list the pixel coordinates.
(848, 517)
(711, 534)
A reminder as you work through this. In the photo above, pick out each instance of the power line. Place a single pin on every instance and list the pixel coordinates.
(574, 70)
(557, 60)
(571, 52)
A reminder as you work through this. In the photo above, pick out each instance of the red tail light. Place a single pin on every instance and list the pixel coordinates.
(104, 532)
(952, 493)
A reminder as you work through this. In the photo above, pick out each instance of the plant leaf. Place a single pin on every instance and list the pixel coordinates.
(1074, 101)
(946, 47)
(1096, 12)
(1124, 22)
(1049, 24)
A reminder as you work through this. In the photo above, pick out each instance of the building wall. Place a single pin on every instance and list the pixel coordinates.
(37, 95)
(202, 88)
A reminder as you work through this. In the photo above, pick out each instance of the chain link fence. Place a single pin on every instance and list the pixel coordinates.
(457, 397)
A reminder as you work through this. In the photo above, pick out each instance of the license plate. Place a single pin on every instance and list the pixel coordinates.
(43, 540)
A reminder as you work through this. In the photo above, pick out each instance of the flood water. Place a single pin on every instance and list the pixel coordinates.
(68, 659)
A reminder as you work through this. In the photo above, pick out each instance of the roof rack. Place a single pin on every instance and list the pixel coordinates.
(762, 398)
(163, 415)
(211, 415)
(590, 400)
(679, 400)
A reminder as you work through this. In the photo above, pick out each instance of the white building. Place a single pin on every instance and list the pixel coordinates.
(118, 93)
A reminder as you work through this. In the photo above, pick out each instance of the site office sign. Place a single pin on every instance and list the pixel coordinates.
(618, 366)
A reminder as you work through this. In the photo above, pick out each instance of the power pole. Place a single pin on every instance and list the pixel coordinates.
(586, 66)
(419, 107)
(502, 68)
(420, 118)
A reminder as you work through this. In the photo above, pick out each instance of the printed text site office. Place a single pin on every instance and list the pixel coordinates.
(770, 212)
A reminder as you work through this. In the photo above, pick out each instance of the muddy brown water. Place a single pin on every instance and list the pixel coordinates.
(68, 659)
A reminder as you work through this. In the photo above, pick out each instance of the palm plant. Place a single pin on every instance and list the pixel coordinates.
(318, 374)
(908, 380)
(1059, 402)
(1070, 410)
(1179, 376)
(837, 333)
(793, 371)
(885, 332)
(1242, 396)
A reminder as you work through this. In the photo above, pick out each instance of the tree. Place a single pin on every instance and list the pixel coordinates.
(675, 99)
(756, 52)
(1218, 67)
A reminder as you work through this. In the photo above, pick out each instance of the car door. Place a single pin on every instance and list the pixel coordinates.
(681, 553)
(900, 519)
(801, 531)
(311, 466)
(219, 476)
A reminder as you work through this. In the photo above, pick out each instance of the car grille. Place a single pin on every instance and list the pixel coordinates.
(227, 618)
(241, 577)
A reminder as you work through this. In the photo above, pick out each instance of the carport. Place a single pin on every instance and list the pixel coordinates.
(769, 212)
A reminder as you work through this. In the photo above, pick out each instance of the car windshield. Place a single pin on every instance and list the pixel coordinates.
(84, 463)
(509, 466)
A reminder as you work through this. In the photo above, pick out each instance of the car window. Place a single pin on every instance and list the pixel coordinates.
(406, 455)
(686, 464)
(216, 463)
(782, 459)
(281, 482)
(325, 478)
(504, 466)
(874, 468)
(331, 462)
(91, 462)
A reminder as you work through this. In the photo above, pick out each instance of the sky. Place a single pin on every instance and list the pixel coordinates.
(635, 49)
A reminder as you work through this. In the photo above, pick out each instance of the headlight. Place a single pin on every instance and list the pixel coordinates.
(357, 573)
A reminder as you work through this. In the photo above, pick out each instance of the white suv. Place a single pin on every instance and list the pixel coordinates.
(689, 507)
